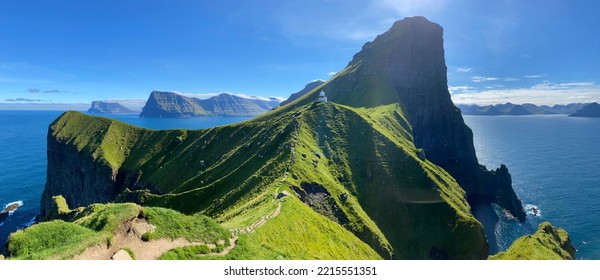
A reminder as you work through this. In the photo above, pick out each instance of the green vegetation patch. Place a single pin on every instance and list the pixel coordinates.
(52, 240)
(197, 228)
(186, 253)
(547, 243)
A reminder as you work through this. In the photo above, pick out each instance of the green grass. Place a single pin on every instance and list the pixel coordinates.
(52, 240)
(231, 174)
(547, 243)
(172, 224)
(129, 252)
(186, 253)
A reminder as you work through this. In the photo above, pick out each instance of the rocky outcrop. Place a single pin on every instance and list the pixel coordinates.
(590, 111)
(547, 243)
(163, 104)
(308, 88)
(102, 107)
(406, 65)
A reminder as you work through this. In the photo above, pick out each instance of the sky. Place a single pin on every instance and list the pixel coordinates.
(63, 51)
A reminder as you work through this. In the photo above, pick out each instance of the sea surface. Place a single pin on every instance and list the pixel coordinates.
(554, 162)
(23, 157)
(555, 166)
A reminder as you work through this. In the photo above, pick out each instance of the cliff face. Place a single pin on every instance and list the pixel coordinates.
(406, 65)
(101, 107)
(76, 173)
(172, 105)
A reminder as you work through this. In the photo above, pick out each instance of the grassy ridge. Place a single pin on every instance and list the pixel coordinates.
(231, 174)
(547, 243)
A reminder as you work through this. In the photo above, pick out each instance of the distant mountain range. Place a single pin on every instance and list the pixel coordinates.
(165, 104)
(519, 109)
(103, 107)
(591, 110)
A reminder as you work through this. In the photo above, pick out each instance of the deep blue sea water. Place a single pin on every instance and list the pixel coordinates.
(23, 157)
(555, 165)
(554, 162)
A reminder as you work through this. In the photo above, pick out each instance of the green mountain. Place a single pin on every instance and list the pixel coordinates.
(162, 104)
(376, 173)
(102, 107)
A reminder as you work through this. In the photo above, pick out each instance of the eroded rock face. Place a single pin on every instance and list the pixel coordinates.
(406, 65)
(77, 176)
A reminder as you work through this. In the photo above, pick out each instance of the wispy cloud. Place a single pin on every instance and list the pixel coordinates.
(53, 91)
(480, 79)
(24, 100)
(464, 69)
(456, 89)
(511, 79)
(331, 73)
(535, 76)
(37, 90)
(545, 93)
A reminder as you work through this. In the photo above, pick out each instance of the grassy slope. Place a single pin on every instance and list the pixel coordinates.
(231, 173)
(547, 243)
(72, 231)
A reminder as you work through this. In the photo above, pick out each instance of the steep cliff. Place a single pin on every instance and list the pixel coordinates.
(406, 65)
(102, 107)
(172, 105)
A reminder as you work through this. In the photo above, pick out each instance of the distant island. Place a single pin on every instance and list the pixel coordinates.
(591, 110)
(103, 107)
(519, 110)
(166, 104)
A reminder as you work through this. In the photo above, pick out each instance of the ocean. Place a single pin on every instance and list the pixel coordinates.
(554, 162)
(555, 166)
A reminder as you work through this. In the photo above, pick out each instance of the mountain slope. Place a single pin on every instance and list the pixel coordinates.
(406, 66)
(172, 105)
(308, 88)
(547, 243)
(102, 107)
(591, 110)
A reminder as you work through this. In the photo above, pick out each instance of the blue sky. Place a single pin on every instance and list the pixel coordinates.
(544, 52)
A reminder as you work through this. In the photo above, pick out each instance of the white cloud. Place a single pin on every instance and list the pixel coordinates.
(480, 79)
(535, 76)
(511, 79)
(544, 93)
(331, 73)
(455, 89)
(464, 69)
